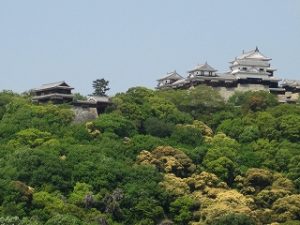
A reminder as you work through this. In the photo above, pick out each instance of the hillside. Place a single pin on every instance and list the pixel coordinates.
(154, 157)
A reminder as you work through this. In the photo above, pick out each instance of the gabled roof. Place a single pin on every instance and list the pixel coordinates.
(96, 99)
(203, 67)
(253, 54)
(171, 76)
(60, 84)
(182, 81)
(245, 62)
(291, 83)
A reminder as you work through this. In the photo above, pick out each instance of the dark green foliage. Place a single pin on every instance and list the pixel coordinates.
(63, 220)
(42, 166)
(5, 98)
(253, 101)
(234, 219)
(187, 134)
(291, 222)
(181, 209)
(158, 128)
(143, 142)
(100, 87)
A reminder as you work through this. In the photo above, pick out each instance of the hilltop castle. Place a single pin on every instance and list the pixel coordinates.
(251, 71)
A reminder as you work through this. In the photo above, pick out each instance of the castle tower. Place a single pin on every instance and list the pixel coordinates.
(253, 69)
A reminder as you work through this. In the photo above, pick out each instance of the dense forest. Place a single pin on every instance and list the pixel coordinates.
(154, 157)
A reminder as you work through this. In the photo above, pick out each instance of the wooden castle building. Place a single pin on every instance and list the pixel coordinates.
(61, 93)
(58, 92)
(251, 71)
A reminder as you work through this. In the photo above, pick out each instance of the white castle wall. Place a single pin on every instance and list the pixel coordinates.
(226, 93)
(84, 114)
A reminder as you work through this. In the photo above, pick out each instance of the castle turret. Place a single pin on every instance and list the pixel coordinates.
(168, 80)
(202, 70)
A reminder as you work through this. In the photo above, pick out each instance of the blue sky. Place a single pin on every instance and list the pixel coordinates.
(134, 42)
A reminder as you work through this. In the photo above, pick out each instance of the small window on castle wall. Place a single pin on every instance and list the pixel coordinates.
(261, 70)
(245, 68)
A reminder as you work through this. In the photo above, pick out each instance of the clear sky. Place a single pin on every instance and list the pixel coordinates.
(134, 42)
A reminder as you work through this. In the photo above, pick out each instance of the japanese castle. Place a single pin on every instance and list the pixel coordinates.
(251, 71)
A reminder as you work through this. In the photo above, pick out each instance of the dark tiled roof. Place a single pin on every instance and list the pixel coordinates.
(204, 67)
(171, 76)
(61, 84)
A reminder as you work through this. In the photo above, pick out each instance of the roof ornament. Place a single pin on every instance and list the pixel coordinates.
(256, 49)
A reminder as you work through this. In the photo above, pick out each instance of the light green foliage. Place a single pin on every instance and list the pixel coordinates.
(31, 137)
(168, 159)
(50, 203)
(287, 208)
(81, 190)
(9, 220)
(174, 185)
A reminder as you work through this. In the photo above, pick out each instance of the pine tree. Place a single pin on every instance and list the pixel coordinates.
(100, 87)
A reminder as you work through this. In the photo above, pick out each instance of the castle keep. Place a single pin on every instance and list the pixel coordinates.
(251, 71)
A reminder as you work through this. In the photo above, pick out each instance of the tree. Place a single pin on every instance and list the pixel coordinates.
(63, 220)
(253, 100)
(234, 219)
(181, 209)
(100, 87)
(116, 124)
(287, 208)
(169, 160)
(157, 127)
(187, 134)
